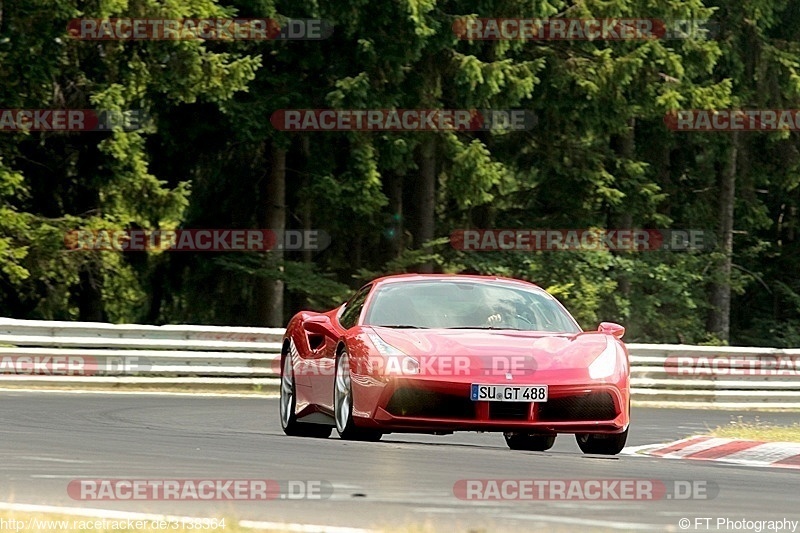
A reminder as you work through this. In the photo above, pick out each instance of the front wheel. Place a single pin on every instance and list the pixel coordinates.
(343, 404)
(602, 444)
(529, 441)
(288, 402)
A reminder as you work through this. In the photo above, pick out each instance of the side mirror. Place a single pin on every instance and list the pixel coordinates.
(319, 325)
(612, 329)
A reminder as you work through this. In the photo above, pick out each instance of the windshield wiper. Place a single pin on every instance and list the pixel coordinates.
(398, 326)
(486, 327)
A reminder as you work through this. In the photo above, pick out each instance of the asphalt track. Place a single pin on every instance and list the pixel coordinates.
(48, 439)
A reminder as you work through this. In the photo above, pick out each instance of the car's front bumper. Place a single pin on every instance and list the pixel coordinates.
(411, 405)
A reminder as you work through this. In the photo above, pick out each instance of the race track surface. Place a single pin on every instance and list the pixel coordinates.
(48, 439)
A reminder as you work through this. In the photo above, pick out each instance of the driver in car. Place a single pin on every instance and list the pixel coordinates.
(510, 314)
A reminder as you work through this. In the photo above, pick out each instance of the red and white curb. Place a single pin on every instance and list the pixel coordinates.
(736, 451)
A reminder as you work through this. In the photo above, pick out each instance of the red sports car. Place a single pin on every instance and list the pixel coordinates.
(444, 353)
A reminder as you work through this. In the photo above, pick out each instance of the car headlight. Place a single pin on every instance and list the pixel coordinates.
(606, 362)
(399, 362)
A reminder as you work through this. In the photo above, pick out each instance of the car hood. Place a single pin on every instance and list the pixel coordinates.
(538, 350)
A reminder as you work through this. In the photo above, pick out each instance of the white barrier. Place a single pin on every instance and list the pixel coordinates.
(733, 377)
(242, 357)
(111, 355)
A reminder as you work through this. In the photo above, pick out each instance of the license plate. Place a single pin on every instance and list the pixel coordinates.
(508, 393)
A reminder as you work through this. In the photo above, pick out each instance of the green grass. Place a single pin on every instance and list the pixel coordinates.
(757, 430)
(38, 522)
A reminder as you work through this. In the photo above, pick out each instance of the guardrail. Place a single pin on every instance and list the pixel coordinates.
(197, 357)
(733, 377)
(112, 355)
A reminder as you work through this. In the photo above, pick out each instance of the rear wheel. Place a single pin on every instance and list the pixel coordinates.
(343, 404)
(602, 444)
(288, 404)
(529, 441)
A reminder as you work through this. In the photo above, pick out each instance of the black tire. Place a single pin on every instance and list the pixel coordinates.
(343, 404)
(602, 444)
(529, 441)
(288, 404)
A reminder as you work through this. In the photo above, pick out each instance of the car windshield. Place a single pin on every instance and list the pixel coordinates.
(468, 305)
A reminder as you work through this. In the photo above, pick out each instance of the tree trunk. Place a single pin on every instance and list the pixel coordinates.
(269, 292)
(305, 149)
(427, 195)
(396, 230)
(664, 175)
(90, 296)
(626, 147)
(720, 298)
(157, 281)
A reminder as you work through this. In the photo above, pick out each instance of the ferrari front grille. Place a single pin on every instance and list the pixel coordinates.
(408, 401)
(509, 410)
(592, 406)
